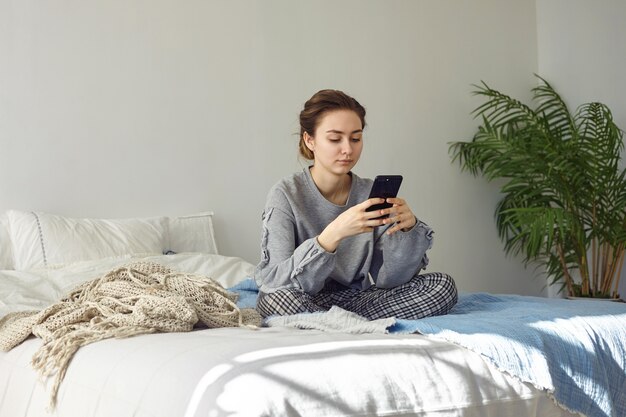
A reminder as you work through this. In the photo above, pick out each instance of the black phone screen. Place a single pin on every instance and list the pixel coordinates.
(385, 186)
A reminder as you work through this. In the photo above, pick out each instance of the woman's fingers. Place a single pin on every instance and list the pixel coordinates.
(372, 214)
(396, 201)
(400, 214)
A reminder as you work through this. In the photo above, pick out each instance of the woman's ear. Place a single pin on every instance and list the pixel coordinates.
(308, 141)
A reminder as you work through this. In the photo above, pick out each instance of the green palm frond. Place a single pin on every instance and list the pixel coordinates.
(554, 111)
(501, 109)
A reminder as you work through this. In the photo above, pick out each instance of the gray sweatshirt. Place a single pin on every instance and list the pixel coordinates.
(296, 213)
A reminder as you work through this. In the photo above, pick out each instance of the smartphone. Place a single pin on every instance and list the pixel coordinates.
(385, 186)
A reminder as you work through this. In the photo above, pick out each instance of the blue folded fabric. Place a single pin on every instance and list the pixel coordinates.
(248, 293)
(574, 349)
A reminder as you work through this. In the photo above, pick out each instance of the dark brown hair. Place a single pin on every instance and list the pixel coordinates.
(318, 106)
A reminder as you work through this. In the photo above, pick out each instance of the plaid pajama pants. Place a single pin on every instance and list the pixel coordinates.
(431, 294)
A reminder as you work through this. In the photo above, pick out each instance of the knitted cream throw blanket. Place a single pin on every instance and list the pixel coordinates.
(135, 299)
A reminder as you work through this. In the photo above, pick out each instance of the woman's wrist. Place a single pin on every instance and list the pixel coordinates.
(328, 240)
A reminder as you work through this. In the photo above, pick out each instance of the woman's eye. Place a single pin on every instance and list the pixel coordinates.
(356, 139)
(334, 139)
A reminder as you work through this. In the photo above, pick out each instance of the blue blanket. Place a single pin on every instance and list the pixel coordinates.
(575, 350)
(248, 293)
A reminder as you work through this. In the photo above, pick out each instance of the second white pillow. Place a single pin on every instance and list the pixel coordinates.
(46, 240)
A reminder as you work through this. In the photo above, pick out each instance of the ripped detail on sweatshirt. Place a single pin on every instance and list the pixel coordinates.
(428, 232)
(313, 253)
(265, 217)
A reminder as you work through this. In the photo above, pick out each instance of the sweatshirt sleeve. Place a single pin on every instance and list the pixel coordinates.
(283, 265)
(397, 258)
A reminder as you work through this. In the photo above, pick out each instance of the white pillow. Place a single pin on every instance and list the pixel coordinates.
(6, 253)
(45, 240)
(193, 233)
(23, 290)
(227, 270)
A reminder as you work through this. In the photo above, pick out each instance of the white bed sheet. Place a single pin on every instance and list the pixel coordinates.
(242, 372)
(269, 372)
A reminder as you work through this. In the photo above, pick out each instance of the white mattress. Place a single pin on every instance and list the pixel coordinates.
(265, 372)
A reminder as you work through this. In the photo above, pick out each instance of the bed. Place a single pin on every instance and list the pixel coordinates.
(279, 370)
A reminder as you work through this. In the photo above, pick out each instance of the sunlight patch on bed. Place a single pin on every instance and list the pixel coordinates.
(325, 347)
(209, 378)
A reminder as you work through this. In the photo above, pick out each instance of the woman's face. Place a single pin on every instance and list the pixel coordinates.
(337, 142)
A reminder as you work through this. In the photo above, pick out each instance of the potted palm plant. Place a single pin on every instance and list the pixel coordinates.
(563, 204)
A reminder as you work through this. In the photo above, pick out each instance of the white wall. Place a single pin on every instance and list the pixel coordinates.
(582, 53)
(123, 108)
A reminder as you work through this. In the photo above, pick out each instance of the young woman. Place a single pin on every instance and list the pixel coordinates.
(320, 246)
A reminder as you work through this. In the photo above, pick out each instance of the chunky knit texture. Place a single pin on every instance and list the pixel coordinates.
(135, 299)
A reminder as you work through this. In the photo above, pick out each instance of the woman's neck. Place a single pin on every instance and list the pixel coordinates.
(334, 188)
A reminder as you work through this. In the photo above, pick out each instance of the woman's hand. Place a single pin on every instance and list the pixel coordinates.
(351, 222)
(400, 214)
